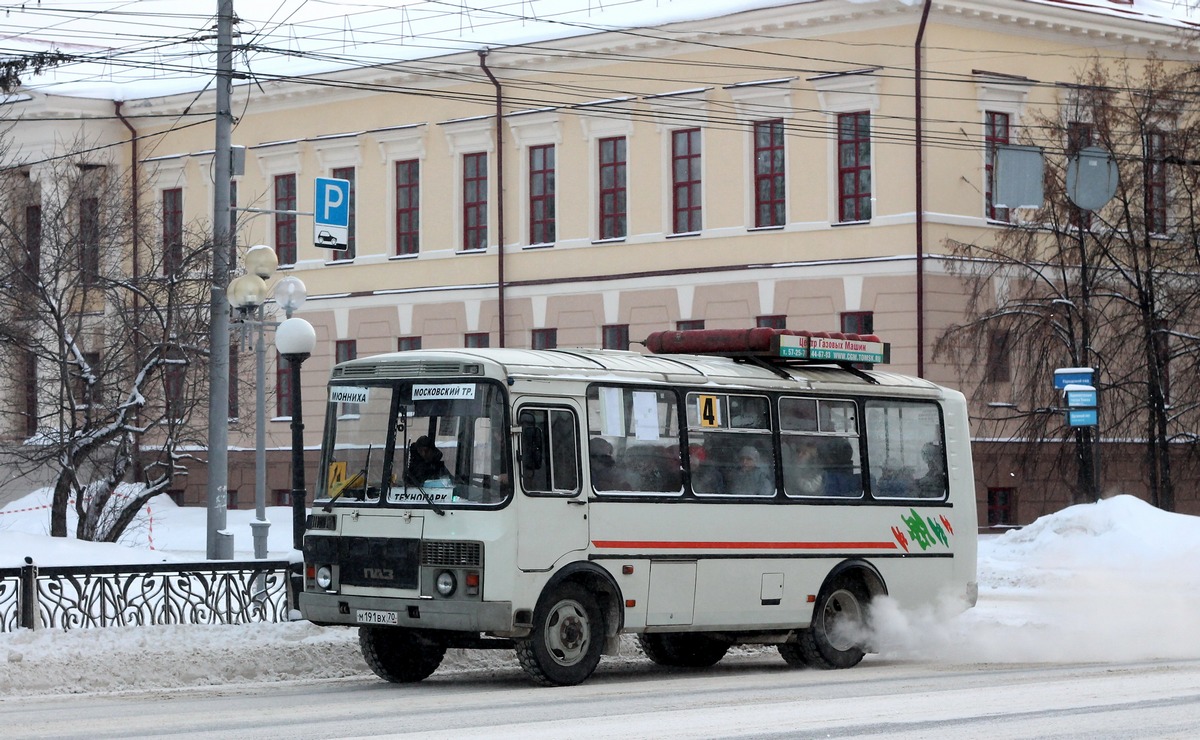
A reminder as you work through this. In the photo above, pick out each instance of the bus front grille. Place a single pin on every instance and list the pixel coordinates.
(445, 553)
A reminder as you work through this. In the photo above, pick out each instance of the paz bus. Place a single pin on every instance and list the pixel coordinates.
(729, 487)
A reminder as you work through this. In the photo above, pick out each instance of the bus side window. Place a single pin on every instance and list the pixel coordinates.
(549, 451)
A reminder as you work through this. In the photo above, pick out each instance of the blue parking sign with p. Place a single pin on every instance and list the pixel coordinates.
(331, 214)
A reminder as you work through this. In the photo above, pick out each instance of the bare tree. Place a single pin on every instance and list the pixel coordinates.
(1114, 289)
(105, 328)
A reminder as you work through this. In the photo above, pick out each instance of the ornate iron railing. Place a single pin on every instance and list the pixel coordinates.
(70, 597)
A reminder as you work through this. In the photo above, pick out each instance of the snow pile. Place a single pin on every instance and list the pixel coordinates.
(1111, 580)
(1108, 581)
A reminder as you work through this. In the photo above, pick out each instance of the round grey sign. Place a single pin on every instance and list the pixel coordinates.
(1091, 178)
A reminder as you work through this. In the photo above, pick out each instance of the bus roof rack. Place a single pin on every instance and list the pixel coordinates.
(772, 345)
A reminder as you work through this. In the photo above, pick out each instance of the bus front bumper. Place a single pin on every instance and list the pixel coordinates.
(493, 617)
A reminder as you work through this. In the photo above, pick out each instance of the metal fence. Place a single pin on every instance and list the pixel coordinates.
(71, 597)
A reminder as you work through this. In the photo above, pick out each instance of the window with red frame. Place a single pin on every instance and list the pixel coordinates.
(408, 207)
(995, 133)
(544, 339)
(854, 167)
(475, 205)
(285, 219)
(347, 174)
(407, 344)
(233, 222)
(28, 389)
(859, 322)
(615, 336)
(172, 230)
(612, 188)
(689, 324)
(477, 340)
(685, 181)
(541, 194)
(768, 173)
(173, 390)
(234, 366)
(1156, 182)
(33, 242)
(283, 387)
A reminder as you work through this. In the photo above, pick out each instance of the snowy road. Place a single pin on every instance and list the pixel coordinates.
(745, 696)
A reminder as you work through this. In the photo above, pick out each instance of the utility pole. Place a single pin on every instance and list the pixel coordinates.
(220, 542)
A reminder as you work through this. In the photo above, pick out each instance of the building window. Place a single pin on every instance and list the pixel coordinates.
(283, 387)
(1156, 182)
(689, 325)
(172, 226)
(995, 133)
(347, 174)
(28, 389)
(1079, 137)
(231, 497)
(233, 222)
(408, 344)
(33, 244)
(1162, 356)
(612, 188)
(89, 240)
(768, 174)
(475, 205)
(854, 167)
(541, 194)
(408, 207)
(234, 368)
(861, 323)
(477, 340)
(616, 336)
(285, 221)
(173, 389)
(544, 339)
(685, 181)
(1001, 507)
(997, 368)
(281, 497)
(345, 350)
(775, 321)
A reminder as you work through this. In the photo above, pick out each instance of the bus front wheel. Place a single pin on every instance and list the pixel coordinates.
(399, 655)
(834, 638)
(567, 639)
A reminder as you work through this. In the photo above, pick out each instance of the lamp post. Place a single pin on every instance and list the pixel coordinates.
(248, 295)
(295, 338)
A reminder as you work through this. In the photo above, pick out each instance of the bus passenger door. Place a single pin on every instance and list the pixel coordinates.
(552, 519)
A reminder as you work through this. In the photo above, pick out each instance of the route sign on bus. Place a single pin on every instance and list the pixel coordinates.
(331, 217)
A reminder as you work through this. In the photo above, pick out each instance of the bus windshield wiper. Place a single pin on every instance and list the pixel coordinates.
(429, 500)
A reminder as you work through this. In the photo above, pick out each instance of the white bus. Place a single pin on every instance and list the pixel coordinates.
(762, 491)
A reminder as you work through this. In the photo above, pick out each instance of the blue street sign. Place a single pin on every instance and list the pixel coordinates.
(1065, 376)
(1081, 398)
(331, 216)
(1082, 417)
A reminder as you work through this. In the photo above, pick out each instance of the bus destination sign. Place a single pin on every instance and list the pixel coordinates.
(828, 348)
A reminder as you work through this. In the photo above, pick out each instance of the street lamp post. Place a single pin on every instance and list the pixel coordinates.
(248, 294)
(295, 338)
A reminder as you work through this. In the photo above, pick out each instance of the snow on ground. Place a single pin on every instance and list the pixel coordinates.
(1114, 580)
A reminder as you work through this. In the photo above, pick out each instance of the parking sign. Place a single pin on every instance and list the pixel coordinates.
(331, 217)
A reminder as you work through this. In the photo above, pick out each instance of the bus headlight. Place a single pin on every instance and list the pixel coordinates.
(446, 583)
(324, 577)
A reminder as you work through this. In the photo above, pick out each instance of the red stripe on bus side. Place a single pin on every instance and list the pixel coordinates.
(649, 544)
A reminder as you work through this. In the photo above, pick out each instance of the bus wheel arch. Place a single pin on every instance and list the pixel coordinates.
(600, 582)
(568, 635)
(834, 637)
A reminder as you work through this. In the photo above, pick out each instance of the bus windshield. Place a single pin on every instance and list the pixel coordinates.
(417, 443)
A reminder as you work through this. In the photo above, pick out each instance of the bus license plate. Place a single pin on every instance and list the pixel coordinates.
(371, 616)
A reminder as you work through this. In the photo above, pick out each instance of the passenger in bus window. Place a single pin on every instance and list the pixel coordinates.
(933, 483)
(425, 462)
(750, 478)
(605, 474)
(802, 474)
(841, 478)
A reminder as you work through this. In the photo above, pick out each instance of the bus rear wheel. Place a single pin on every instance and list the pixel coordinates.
(683, 650)
(567, 639)
(834, 639)
(399, 655)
